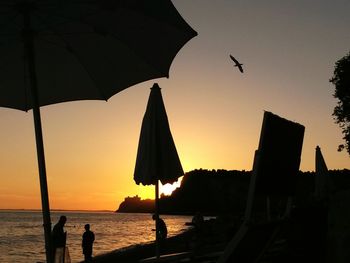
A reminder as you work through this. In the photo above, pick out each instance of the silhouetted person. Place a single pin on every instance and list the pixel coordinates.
(161, 227)
(198, 222)
(88, 240)
(59, 239)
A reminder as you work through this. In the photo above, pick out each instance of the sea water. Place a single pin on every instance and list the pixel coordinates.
(22, 234)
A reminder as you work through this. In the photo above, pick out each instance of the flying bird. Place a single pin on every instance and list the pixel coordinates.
(237, 64)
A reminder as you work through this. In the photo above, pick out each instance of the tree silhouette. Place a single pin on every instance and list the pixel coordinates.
(219, 192)
(341, 113)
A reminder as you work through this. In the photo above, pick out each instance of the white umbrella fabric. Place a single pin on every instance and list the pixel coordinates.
(55, 51)
(157, 158)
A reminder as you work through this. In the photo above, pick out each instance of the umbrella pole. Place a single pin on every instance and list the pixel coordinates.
(43, 184)
(29, 51)
(157, 218)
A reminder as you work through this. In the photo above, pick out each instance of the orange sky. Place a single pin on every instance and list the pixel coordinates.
(215, 112)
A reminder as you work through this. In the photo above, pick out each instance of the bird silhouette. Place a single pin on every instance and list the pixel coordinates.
(237, 64)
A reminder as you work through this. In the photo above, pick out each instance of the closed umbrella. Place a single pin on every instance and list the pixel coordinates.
(55, 51)
(157, 158)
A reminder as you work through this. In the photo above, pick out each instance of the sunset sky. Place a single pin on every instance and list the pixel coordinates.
(288, 49)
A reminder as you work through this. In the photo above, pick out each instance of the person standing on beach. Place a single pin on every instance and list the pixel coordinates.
(88, 240)
(162, 229)
(59, 239)
(198, 222)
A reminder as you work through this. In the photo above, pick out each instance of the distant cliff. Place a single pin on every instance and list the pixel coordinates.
(200, 190)
(136, 205)
(222, 191)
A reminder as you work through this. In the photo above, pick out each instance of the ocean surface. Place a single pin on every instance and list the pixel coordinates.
(22, 234)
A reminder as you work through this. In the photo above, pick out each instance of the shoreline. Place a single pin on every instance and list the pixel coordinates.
(212, 237)
(54, 210)
(133, 253)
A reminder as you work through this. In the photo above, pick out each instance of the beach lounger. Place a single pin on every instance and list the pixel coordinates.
(279, 151)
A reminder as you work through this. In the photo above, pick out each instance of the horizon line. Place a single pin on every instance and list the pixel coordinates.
(57, 210)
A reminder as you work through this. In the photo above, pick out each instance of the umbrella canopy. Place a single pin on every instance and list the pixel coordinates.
(157, 158)
(55, 51)
(88, 49)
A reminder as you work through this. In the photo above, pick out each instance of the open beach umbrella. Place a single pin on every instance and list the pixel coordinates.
(55, 51)
(157, 158)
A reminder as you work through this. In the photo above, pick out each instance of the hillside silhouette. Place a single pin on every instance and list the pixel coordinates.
(215, 192)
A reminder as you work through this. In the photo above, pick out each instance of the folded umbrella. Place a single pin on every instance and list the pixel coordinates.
(157, 158)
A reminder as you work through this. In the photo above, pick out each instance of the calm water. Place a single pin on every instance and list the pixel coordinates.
(22, 238)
